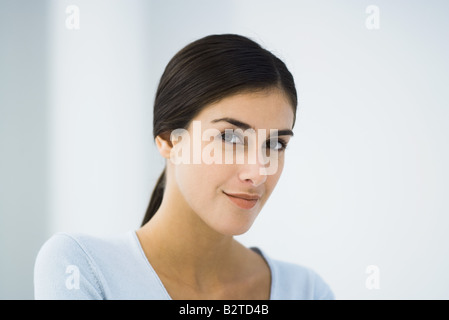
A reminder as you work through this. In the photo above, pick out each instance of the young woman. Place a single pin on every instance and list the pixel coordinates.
(233, 104)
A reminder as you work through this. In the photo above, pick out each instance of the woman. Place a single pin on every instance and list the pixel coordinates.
(223, 114)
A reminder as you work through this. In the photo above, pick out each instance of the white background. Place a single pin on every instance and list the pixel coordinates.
(365, 181)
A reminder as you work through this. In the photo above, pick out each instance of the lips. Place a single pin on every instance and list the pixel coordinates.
(243, 200)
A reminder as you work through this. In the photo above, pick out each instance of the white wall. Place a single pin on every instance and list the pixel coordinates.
(365, 179)
(100, 116)
(23, 143)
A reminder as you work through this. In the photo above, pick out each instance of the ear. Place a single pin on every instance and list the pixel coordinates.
(164, 146)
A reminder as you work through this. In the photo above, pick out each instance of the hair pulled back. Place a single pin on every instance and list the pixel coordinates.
(206, 71)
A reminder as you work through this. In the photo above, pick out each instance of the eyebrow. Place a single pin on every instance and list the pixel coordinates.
(245, 126)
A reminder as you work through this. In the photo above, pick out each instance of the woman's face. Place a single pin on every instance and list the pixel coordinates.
(224, 171)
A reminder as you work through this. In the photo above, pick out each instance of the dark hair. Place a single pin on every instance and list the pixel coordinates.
(205, 71)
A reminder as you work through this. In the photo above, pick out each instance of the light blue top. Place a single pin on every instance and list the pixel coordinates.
(78, 266)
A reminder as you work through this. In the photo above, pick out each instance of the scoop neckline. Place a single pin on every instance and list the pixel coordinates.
(162, 287)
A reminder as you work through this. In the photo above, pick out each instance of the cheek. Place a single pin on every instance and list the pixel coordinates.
(273, 179)
(200, 183)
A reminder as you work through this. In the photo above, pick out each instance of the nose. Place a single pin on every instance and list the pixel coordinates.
(253, 173)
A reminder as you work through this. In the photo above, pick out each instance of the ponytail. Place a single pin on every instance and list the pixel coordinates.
(156, 198)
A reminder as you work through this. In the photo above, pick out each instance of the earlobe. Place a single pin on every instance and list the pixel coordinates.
(163, 146)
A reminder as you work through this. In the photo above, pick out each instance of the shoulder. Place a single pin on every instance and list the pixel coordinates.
(65, 244)
(297, 282)
(66, 267)
(72, 247)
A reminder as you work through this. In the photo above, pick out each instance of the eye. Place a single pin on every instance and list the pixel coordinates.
(276, 144)
(231, 137)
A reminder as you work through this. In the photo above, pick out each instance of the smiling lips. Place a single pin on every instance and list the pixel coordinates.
(243, 200)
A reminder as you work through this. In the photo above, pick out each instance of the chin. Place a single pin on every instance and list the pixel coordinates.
(228, 219)
(233, 228)
(233, 232)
